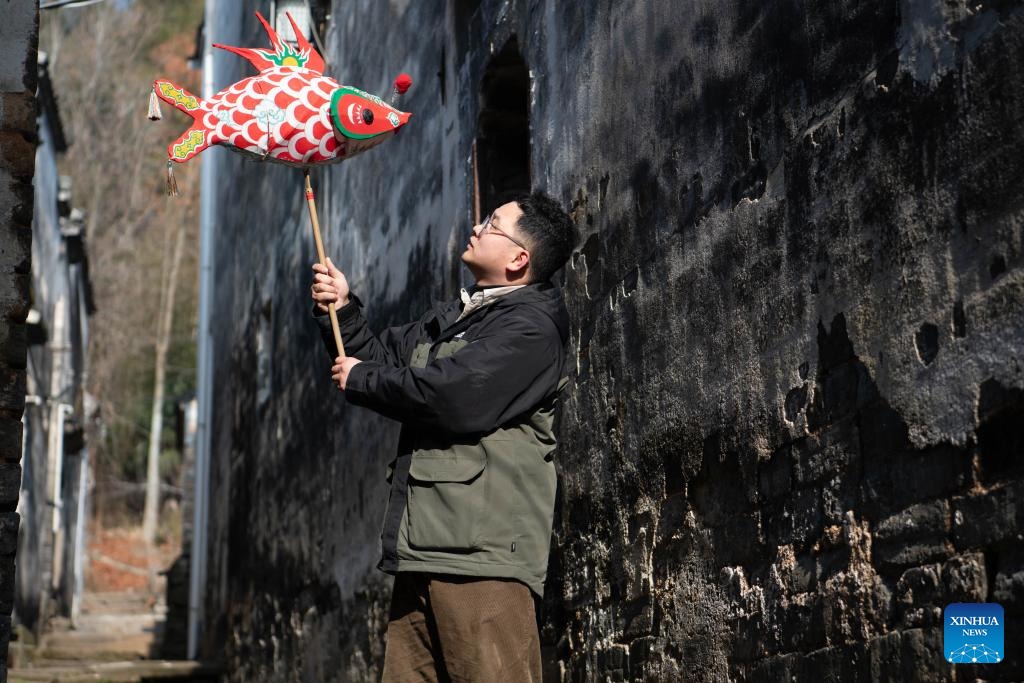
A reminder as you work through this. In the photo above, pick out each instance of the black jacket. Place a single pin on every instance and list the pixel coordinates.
(473, 483)
(514, 358)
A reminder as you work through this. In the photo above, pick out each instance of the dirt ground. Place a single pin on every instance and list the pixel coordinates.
(117, 560)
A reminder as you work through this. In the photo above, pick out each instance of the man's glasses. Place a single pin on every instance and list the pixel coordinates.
(488, 226)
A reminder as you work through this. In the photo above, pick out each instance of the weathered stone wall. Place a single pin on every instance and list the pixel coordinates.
(57, 338)
(18, 44)
(798, 308)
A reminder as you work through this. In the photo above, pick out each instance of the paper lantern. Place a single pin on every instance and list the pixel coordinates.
(289, 113)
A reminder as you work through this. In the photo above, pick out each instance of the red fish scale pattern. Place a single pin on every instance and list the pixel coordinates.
(282, 114)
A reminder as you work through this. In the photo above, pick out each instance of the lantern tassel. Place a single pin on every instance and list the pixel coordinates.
(154, 107)
(172, 184)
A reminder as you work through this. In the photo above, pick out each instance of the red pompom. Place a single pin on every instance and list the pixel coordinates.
(402, 83)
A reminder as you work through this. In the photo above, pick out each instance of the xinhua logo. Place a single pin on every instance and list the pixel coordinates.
(973, 633)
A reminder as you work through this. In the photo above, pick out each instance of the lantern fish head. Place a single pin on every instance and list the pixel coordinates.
(358, 115)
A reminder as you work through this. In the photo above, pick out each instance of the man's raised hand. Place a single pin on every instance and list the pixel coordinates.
(329, 286)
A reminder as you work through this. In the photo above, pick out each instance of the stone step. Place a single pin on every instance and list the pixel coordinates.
(103, 638)
(120, 671)
(116, 603)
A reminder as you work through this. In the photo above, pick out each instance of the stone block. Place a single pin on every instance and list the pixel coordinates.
(1009, 591)
(23, 205)
(803, 626)
(1008, 583)
(10, 439)
(5, 641)
(17, 153)
(641, 657)
(982, 519)
(883, 661)
(839, 495)
(964, 579)
(919, 597)
(923, 519)
(909, 477)
(777, 668)
(1011, 668)
(750, 643)
(822, 456)
(796, 521)
(831, 664)
(921, 656)
(638, 617)
(914, 536)
(14, 289)
(801, 576)
(15, 249)
(18, 111)
(613, 662)
(10, 485)
(13, 344)
(6, 584)
(9, 523)
(829, 560)
(12, 389)
(738, 543)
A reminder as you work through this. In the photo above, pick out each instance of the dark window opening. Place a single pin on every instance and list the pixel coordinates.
(502, 149)
(442, 77)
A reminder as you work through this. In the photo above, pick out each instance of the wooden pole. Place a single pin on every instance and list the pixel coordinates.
(323, 259)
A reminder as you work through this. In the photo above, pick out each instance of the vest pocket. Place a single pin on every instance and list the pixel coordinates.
(447, 494)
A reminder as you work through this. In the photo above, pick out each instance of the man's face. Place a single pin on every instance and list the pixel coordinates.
(492, 250)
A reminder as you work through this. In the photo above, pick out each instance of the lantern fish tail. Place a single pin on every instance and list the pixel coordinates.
(198, 137)
(190, 143)
(181, 99)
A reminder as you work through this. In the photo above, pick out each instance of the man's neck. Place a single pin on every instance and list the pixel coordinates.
(487, 282)
(492, 285)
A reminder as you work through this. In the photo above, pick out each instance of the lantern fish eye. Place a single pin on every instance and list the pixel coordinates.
(367, 116)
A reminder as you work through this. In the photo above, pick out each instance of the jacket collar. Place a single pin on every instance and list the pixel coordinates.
(542, 295)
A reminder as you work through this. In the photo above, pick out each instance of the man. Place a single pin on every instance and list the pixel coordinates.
(474, 384)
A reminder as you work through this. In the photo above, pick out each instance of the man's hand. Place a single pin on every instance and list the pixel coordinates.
(329, 286)
(340, 369)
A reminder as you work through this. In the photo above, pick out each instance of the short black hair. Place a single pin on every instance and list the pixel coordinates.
(549, 231)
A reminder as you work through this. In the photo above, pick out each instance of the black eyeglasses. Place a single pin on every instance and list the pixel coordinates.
(489, 227)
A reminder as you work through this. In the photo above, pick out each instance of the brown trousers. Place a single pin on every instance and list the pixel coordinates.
(461, 629)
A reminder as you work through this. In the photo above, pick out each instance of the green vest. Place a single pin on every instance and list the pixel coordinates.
(482, 506)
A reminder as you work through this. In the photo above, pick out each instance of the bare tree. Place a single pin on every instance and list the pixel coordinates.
(170, 286)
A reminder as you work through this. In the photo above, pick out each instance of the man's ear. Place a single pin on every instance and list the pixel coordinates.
(519, 264)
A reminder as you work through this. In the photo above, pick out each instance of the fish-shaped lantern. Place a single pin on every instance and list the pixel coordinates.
(289, 113)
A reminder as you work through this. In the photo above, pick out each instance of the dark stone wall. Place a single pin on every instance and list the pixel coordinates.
(18, 44)
(798, 314)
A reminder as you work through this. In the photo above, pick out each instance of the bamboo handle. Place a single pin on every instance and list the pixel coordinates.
(323, 259)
